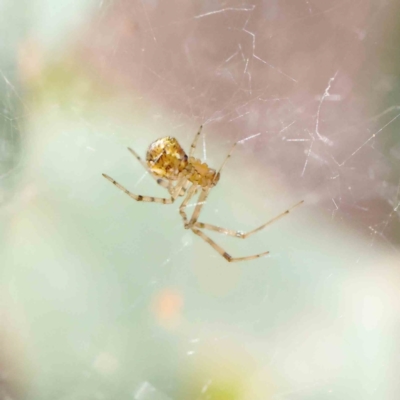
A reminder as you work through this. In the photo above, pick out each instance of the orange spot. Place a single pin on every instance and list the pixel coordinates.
(167, 307)
(30, 60)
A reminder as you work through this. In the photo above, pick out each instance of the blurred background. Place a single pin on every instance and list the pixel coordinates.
(102, 297)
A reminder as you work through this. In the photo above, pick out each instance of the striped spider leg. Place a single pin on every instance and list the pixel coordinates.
(175, 192)
(237, 234)
(245, 235)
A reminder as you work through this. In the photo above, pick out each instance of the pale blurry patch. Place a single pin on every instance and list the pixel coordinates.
(375, 296)
(375, 304)
(106, 364)
(372, 311)
(167, 307)
(311, 356)
(21, 200)
(217, 281)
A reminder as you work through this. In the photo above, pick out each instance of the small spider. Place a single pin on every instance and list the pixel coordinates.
(184, 175)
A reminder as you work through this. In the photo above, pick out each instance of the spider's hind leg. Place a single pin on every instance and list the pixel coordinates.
(222, 252)
(238, 234)
(245, 235)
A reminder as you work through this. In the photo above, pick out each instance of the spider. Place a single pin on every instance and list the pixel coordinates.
(184, 175)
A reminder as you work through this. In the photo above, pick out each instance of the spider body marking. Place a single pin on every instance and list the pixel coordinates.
(185, 175)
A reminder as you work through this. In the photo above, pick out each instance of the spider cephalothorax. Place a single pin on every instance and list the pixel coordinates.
(187, 176)
(166, 159)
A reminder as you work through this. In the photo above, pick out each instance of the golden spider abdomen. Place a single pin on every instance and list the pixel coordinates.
(166, 158)
(201, 174)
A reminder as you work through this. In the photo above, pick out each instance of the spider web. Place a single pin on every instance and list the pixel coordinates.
(310, 89)
(293, 74)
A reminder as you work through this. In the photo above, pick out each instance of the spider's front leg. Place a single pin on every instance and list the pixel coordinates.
(162, 182)
(194, 144)
(175, 192)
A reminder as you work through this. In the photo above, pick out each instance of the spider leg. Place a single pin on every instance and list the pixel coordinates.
(190, 193)
(204, 193)
(162, 182)
(175, 192)
(222, 252)
(227, 157)
(184, 189)
(245, 235)
(200, 203)
(136, 155)
(194, 144)
(169, 185)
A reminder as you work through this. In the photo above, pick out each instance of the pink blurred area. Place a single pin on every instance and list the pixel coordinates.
(306, 77)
